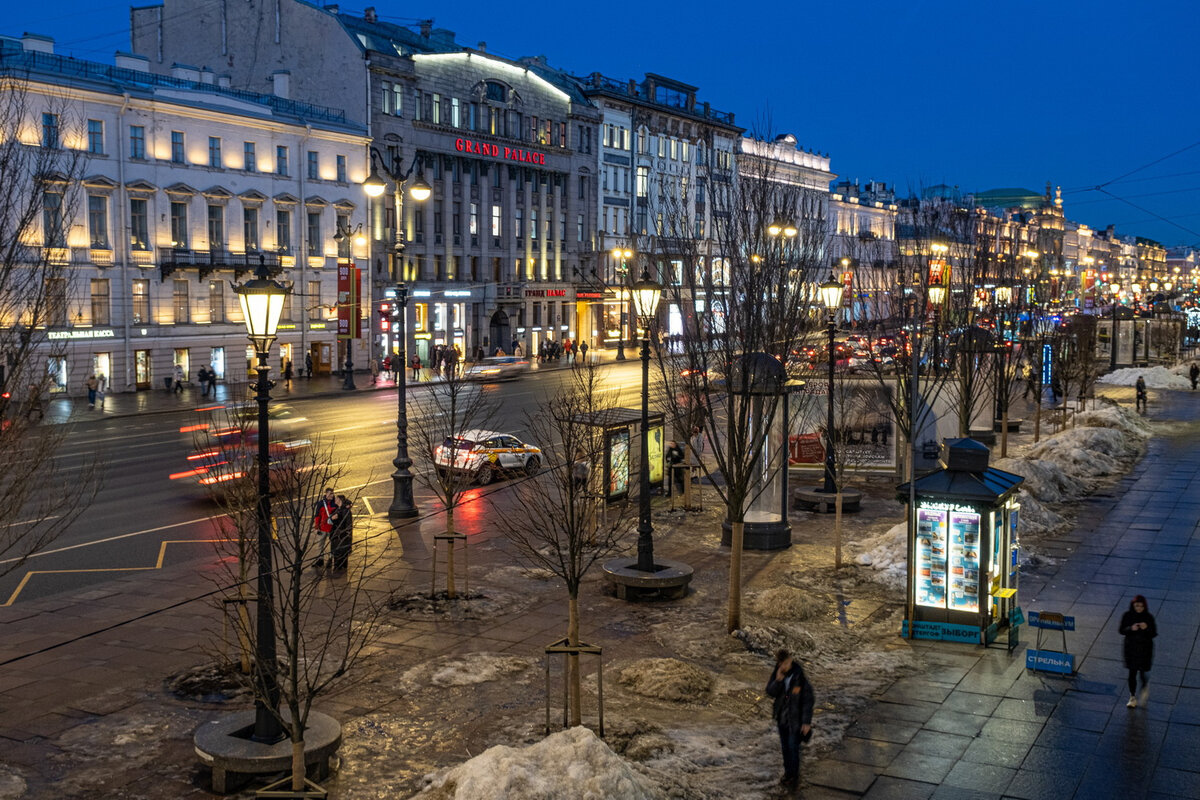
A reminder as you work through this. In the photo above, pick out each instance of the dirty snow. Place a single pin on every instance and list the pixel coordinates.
(667, 679)
(1156, 378)
(466, 671)
(571, 763)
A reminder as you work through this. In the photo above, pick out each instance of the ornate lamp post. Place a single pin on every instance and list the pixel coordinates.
(1115, 288)
(402, 506)
(831, 297)
(646, 294)
(262, 302)
(623, 254)
(937, 295)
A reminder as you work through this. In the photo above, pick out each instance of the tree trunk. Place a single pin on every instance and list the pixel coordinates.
(573, 678)
(735, 577)
(450, 591)
(837, 530)
(298, 765)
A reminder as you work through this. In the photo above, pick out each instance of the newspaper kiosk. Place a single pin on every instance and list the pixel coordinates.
(962, 547)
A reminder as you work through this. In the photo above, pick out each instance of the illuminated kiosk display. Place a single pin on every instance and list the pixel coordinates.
(618, 467)
(962, 547)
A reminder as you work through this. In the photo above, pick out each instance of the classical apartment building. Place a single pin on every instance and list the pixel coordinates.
(509, 149)
(661, 152)
(183, 186)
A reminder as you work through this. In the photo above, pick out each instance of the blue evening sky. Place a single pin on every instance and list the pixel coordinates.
(978, 95)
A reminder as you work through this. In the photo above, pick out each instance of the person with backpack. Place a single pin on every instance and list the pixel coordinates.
(323, 520)
(342, 534)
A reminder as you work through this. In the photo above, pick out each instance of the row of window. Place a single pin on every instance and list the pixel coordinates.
(216, 159)
(310, 305)
(439, 109)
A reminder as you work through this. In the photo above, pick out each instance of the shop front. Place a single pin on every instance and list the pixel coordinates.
(962, 547)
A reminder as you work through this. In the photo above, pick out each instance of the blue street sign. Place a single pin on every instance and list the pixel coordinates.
(1067, 624)
(1050, 661)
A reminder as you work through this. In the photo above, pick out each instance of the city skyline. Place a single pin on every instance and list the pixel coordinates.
(1067, 98)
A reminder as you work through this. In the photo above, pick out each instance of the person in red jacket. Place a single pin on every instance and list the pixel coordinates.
(323, 522)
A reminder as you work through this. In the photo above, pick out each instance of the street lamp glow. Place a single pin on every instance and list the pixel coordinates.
(937, 293)
(831, 293)
(262, 304)
(775, 228)
(620, 252)
(374, 184)
(420, 190)
(646, 294)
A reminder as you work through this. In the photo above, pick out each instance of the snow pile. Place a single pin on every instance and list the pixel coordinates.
(787, 603)
(1155, 377)
(571, 763)
(466, 670)
(1113, 415)
(1086, 453)
(667, 679)
(887, 554)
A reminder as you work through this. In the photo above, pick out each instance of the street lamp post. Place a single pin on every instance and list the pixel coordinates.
(1112, 348)
(646, 294)
(624, 254)
(262, 302)
(831, 296)
(402, 506)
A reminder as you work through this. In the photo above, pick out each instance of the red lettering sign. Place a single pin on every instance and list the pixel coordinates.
(556, 293)
(349, 319)
(510, 153)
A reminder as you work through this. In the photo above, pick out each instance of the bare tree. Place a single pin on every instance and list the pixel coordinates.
(42, 492)
(746, 289)
(563, 528)
(441, 416)
(325, 621)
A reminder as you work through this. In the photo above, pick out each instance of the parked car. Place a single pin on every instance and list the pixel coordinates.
(485, 455)
(497, 368)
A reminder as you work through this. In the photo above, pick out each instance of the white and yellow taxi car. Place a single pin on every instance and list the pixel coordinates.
(485, 455)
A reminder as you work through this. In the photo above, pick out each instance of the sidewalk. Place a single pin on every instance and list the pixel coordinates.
(977, 724)
(159, 401)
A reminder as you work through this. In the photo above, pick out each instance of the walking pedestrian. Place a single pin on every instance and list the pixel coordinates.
(287, 372)
(415, 363)
(792, 711)
(1140, 391)
(583, 348)
(35, 403)
(323, 522)
(92, 385)
(1194, 374)
(101, 388)
(212, 381)
(1139, 629)
(178, 377)
(341, 536)
(374, 367)
(674, 455)
(581, 471)
(202, 376)
(308, 364)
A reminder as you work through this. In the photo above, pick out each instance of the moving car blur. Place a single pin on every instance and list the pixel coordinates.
(484, 455)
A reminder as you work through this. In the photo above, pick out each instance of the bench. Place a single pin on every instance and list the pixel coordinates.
(225, 745)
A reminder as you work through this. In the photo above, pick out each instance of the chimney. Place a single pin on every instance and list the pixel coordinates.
(35, 43)
(426, 28)
(369, 15)
(130, 61)
(185, 73)
(281, 83)
(481, 47)
(225, 81)
(207, 76)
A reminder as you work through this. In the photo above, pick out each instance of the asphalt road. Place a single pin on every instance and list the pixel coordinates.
(141, 519)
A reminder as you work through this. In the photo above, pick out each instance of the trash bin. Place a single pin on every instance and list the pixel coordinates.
(167, 383)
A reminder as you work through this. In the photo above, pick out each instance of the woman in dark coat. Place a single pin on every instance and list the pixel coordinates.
(342, 535)
(1139, 630)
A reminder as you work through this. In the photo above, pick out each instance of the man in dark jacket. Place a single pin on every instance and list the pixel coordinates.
(675, 470)
(792, 710)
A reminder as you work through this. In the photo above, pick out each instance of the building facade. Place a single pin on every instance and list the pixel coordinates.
(508, 148)
(184, 186)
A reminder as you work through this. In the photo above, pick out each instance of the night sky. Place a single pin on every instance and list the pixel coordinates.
(975, 95)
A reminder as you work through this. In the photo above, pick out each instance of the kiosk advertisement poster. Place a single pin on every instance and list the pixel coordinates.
(866, 431)
(618, 463)
(964, 562)
(931, 558)
(655, 446)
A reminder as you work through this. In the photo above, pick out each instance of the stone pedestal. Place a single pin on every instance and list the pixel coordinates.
(813, 498)
(759, 535)
(225, 745)
(669, 581)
